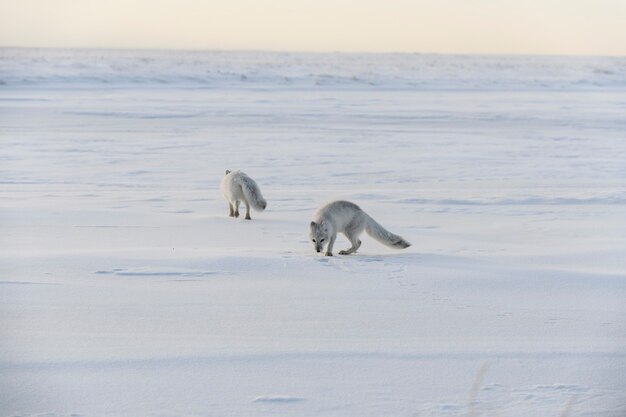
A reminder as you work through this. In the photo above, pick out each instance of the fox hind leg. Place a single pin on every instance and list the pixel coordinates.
(356, 244)
(352, 233)
(232, 210)
(247, 210)
(236, 208)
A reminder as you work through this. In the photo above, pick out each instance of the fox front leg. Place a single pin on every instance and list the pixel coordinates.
(329, 248)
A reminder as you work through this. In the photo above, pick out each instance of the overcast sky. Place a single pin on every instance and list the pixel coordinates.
(572, 27)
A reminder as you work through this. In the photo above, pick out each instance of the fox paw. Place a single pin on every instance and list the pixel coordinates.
(328, 254)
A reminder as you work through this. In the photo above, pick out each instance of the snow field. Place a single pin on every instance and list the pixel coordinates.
(126, 290)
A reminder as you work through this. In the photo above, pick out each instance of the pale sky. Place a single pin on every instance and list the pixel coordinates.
(570, 27)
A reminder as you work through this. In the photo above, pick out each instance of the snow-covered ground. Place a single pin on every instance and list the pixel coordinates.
(126, 290)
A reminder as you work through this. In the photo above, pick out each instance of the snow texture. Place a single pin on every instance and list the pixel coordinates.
(126, 290)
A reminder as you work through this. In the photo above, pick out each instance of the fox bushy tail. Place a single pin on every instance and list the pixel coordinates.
(384, 236)
(252, 192)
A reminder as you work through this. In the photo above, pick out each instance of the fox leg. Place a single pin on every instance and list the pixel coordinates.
(232, 210)
(352, 232)
(329, 248)
(356, 244)
(236, 208)
(247, 210)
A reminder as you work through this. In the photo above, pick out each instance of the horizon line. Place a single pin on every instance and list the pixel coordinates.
(303, 52)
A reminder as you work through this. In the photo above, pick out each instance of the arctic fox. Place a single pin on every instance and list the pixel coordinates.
(349, 219)
(236, 187)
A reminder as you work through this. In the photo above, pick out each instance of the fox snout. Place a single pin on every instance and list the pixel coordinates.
(319, 247)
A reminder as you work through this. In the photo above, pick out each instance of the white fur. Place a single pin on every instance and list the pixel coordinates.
(348, 218)
(237, 187)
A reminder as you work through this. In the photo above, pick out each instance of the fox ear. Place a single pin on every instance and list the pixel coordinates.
(227, 172)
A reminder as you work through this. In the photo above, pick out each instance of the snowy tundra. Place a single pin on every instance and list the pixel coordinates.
(126, 290)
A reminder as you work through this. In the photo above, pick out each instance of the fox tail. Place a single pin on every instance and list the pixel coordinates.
(252, 192)
(384, 236)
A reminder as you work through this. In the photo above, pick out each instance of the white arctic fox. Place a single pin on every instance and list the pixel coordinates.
(236, 187)
(349, 219)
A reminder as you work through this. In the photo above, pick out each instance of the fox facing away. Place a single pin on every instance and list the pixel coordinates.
(237, 187)
(348, 218)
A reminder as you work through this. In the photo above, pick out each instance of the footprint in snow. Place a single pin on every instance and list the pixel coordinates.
(277, 399)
